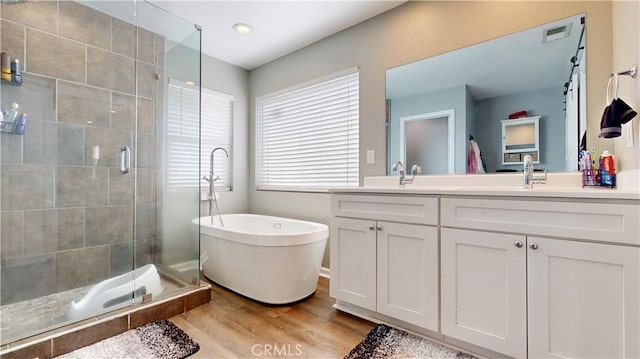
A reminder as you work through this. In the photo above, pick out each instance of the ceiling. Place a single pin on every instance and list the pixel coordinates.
(279, 27)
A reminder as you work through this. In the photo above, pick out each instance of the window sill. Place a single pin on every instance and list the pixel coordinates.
(294, 189)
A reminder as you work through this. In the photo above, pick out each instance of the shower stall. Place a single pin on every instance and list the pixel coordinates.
(85, 212)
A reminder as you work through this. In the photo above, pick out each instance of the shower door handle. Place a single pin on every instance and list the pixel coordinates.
(125, 160)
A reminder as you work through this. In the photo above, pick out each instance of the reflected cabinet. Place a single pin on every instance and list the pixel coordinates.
(520, 137)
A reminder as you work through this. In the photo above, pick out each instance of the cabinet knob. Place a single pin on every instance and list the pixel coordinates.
(371, 227)
(379, 227)
(518, 244)
(533, 246)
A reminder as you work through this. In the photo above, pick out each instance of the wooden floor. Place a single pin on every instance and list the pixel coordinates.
(233, 326)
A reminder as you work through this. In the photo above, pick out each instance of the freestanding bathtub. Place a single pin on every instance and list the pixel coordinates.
(269, 259)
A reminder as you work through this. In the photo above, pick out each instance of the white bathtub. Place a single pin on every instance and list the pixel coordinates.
(270, 259)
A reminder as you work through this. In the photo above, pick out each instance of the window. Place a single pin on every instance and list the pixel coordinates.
(307, 138)
(183, 141)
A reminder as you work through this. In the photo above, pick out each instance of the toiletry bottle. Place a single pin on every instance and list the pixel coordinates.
(5, 66)
(607, 169)
(16, 72)
(18, 128)
(10, 120)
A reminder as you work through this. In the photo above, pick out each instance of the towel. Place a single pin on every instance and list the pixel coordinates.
(474, 161)
(614, 116)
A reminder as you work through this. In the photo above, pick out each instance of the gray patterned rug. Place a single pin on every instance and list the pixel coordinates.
(157, 340)
(384, 342)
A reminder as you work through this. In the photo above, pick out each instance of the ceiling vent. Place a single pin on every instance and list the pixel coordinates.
(556, 33)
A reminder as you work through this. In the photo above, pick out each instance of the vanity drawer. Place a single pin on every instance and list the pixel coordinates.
(420, 210)
(592, 221)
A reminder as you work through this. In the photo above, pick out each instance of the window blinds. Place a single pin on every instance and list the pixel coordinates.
(185, 133)
(308, 137)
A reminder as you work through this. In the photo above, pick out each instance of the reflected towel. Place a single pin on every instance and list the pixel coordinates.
(474, 161)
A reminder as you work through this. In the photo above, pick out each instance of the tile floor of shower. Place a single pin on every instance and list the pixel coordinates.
(25, 318)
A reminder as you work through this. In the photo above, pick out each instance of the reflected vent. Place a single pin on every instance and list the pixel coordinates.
(556, 33)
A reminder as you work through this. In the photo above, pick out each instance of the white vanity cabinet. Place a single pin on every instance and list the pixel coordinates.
(527, 288)
(353, 261)
(383, 265)
(484, 292)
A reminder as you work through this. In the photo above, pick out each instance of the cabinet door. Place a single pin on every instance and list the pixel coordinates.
(484, 289)
(353, 261)
(583, 300)
(408, 273)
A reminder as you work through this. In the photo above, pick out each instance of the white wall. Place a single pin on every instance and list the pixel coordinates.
(405, 34)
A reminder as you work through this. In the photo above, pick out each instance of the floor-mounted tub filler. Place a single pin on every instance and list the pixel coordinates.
(117, 291)
(270, 259)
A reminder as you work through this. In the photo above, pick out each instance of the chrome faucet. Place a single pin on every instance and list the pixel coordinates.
(403, 179)
(212, 178)
(528, 177)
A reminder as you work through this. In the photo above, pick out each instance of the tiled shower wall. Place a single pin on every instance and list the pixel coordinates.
(87, 77)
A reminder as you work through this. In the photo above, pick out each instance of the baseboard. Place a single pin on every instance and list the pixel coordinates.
(325, 272)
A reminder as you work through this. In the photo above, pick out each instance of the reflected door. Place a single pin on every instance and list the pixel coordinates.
(427, 141)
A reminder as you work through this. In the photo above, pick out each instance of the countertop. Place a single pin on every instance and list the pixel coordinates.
(557, 186)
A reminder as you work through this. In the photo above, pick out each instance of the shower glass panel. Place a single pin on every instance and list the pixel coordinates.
(81, 169)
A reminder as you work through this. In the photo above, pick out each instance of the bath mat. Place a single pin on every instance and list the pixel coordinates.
(157, 340)
(386, 342)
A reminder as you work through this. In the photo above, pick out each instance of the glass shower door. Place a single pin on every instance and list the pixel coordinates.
(85, 223)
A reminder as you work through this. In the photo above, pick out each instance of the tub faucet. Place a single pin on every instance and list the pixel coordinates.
(212, 179)
(528, 177)
(403, 179)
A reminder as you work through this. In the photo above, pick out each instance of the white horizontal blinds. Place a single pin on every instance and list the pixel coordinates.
(308, 138)
(184, 131)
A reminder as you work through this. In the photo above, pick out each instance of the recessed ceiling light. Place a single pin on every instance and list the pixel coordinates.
(242, 29)
(190, 83)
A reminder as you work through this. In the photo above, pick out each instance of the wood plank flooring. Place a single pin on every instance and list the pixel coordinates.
(233, 326)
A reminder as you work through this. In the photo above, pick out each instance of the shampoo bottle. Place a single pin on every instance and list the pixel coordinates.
(18, 128)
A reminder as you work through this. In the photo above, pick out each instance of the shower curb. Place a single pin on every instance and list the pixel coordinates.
(89, 331)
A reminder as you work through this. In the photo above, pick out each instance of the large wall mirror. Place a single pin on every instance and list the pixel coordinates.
(437, 105)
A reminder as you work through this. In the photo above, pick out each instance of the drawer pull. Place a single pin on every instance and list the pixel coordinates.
(379, 227)
(518, 244)
(533, 246)
(371, 227)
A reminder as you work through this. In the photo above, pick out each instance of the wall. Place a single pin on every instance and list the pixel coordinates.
(545, 103)
(626, 47)
(88, 77)
(405, 34)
